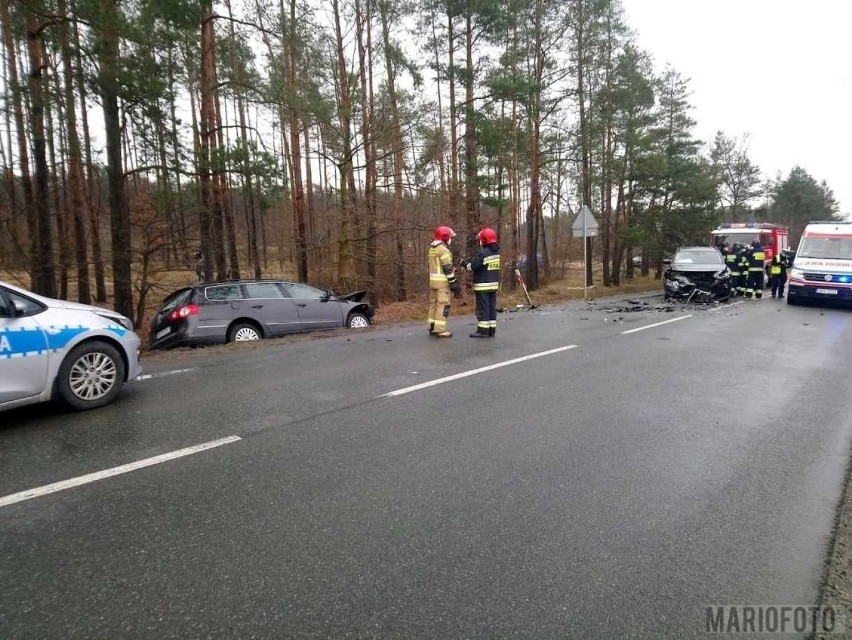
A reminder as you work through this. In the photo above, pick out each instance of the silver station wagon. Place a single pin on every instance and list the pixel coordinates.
(217, 312)
(54, 349)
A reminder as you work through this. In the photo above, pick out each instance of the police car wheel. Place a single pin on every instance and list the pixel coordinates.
(90, 376)
(358, 321)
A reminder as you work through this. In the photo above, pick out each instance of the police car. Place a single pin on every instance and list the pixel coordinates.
(54, 349)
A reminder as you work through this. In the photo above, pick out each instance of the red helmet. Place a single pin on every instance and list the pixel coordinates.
(487, 236)
(444, 234)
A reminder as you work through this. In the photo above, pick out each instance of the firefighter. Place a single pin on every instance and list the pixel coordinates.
(778, 273)
(442, 280)
(756, 265)
(741, 252)
(732, 262)
(485, 267)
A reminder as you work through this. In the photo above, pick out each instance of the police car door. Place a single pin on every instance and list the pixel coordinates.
(23, 348)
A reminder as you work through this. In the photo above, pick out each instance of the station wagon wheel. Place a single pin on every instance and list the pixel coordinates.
(243, 332)
(90, 376)
(357, 321)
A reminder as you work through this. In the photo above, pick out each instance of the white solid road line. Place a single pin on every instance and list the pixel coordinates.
(115, 471)
(473, 372)
(163, 374)
(656, 324)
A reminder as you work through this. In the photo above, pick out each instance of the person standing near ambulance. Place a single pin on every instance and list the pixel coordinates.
(442, 281)
(485, 267)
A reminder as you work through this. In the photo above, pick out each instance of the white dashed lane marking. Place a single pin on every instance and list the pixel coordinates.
(656, 324)
(47, 489)
(473, 372)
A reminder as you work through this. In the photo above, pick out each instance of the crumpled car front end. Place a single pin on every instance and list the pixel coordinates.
(697, 286)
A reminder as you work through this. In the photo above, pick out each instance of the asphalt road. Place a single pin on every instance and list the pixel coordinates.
(585, 474)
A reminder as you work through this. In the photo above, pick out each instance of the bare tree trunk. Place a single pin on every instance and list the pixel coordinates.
(396, 133)
(348, 215)
(46, 267)
(79, 206)
(120, 219)
(23, 147)
(210, 240)
(471, 159)
(298, 194)
(91, 188)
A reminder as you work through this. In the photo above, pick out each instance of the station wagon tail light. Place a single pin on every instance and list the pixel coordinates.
(184, 311)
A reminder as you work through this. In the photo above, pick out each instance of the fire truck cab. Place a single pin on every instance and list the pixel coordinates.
(774, 238)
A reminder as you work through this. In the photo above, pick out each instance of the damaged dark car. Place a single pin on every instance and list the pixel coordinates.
(236, 311)
(697, 274)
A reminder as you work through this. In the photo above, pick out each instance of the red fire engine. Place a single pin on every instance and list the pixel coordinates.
(773, 237)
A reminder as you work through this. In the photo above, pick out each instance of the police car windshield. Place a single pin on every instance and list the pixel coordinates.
(831, 248)
(697, 257)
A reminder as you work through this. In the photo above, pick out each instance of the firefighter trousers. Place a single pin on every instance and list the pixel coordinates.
(486, 312)
(755, 284)
(777, 283)
(439, 309)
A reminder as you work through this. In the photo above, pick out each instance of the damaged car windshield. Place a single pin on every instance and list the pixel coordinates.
(832, 248)
(697, 257)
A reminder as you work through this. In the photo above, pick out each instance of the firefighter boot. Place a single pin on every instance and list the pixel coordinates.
(491, 332)
(431, 328)
(478, 334)
(443, 334)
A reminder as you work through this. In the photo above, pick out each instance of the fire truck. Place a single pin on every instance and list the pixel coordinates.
(774, 238)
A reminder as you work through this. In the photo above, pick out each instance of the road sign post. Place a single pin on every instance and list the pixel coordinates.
(585, 226)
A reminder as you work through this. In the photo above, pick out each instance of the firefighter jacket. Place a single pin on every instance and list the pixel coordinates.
(743, 261)
(441, 274)
(756, 259)
(778, 266)
(486, 268)
(732, 261)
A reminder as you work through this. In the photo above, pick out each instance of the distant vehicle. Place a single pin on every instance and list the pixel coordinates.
(53, 349)
(822, 266)
(774, 238)
(697, 274)
(217, 312)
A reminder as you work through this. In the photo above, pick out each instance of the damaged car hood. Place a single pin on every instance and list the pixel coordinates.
(355, 296)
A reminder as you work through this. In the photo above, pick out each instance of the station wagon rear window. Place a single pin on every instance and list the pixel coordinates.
(224, 292)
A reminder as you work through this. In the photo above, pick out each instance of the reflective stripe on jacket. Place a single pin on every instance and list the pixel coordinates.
(440, 266)
(757, 260)
(486, 268)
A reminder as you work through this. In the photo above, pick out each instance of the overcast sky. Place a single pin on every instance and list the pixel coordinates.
(777, 69)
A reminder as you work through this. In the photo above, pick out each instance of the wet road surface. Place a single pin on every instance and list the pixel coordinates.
(584, 474)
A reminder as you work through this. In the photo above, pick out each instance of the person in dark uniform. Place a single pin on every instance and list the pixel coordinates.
(756, 266)
(741, 252)
(732, 262)
(485, 267)
(778, 273)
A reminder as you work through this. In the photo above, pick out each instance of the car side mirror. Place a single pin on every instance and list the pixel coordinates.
(667, 261)
(326, 295)
(18, 309)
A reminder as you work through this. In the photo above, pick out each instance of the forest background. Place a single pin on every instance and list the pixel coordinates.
(324, 140)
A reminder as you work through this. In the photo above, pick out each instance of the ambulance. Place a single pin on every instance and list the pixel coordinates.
(774, 238)
(822, 268)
